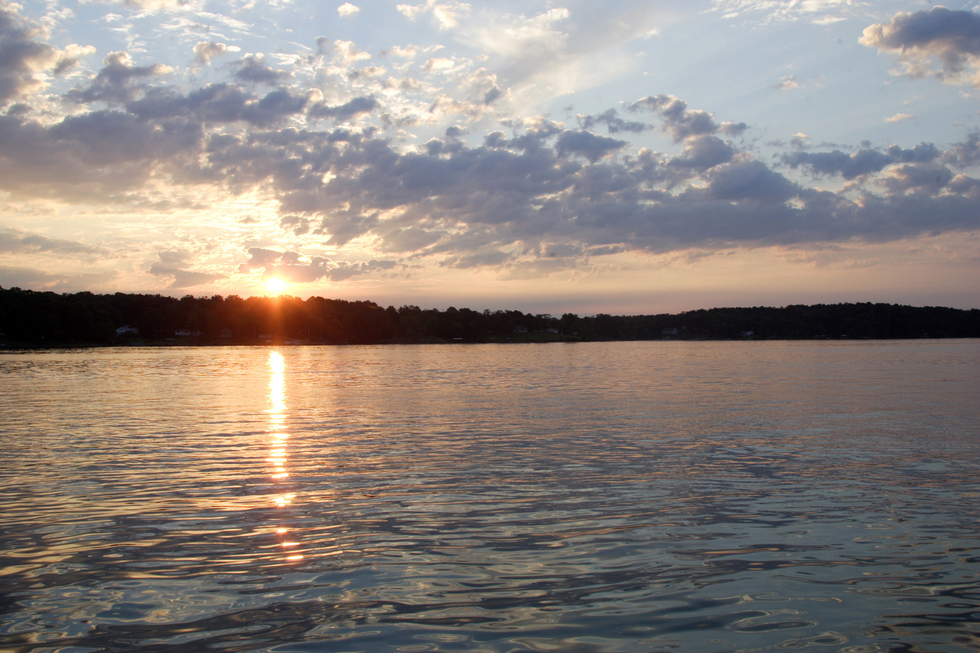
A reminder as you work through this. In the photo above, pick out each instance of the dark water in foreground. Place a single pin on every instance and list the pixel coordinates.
(586, 497)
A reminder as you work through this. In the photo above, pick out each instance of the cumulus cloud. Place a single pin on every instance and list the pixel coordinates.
(586, 144)
(614, 124)
(172, 264)
(13, 241)
(921, 178)
(445, 14)
(68, 59)
(918, 39)
(703, 152)
(347, 10)
(205, 51)
(297, 224)
(23, 56)
(346, 111)
(290, 266)
(542, 197)
(347, 52)
(118, 81)
(219, 103)
(253, 68)
(681, 122)
(786, 83)
(863, 162)
(966, 153)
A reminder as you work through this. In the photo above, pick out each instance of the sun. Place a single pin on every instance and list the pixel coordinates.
(275, 284)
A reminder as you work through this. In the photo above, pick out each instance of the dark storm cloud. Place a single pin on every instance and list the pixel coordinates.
(952, 36)
(863, 162)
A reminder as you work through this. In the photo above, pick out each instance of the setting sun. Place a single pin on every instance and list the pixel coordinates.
(275, 284)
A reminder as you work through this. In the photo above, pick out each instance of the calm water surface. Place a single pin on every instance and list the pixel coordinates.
(593, 497)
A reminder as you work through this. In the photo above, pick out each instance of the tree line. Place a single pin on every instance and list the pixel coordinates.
(45, 319)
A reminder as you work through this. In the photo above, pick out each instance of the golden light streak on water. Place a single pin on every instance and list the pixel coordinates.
(278, 453)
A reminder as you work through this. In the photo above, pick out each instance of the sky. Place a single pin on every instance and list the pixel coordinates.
(618, 156)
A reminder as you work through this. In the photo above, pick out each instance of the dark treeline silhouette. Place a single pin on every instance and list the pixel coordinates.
(30, 318)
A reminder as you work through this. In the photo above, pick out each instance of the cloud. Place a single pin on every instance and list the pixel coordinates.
(966, 153)
(289, 266)
(863, 162)
(584, 143)
(205, 51)
(117, 82)
(253, 68)
(347, 10)
(347, 52)
(152, 5)
(23, 56)
(95, 155)
(68, 59)
(749, 180)
(540, 198)
(17, 242)
(552, 53)
(614, 124)
(821, 12)
(13, 277)
(297, 224)
(445, 14)
(680, 122)
(172, 263)
(786, 83)
(898, 117)
(346, 111)
(917, 39)
(921, 178)
(704, 152)
(219, 103)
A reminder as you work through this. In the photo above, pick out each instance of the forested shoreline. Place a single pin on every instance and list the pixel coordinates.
(46, 319)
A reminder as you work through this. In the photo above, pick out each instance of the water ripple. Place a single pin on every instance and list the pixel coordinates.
(595, 498)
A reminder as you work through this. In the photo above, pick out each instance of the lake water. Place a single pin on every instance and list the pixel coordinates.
(662, 496)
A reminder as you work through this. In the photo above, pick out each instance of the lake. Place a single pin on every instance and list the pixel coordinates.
(586, 497)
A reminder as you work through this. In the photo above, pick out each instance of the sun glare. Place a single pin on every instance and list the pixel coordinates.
(275, 284)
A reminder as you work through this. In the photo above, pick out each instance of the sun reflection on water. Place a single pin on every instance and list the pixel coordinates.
(278, 453)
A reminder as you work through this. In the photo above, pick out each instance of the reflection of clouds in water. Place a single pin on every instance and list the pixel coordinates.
(278, 452)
